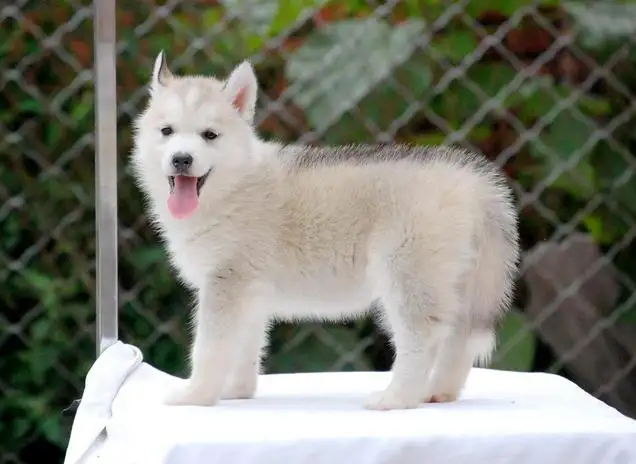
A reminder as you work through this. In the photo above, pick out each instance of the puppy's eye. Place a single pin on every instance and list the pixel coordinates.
(167, 130)
(209, 135)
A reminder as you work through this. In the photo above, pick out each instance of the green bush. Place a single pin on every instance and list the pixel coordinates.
(376, 81)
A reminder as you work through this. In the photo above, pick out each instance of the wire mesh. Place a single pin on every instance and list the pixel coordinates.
(546, 91)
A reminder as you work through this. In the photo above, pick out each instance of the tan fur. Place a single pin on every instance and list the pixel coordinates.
(426, 235)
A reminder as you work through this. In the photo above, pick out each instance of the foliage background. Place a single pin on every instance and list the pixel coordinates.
(545, 90)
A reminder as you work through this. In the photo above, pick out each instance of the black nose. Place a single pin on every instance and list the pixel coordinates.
(181, 161)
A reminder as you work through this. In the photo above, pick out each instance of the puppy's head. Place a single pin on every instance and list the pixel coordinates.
(192, 126)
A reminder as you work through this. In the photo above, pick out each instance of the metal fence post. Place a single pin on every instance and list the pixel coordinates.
(106, 171)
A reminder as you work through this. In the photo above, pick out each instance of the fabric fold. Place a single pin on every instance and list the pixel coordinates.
(102, 384)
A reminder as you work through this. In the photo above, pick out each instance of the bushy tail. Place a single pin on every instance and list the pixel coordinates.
(492, 284)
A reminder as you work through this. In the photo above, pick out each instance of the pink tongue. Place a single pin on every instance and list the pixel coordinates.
(183, 201)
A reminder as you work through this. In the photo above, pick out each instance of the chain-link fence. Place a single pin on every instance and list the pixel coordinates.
(547, 91)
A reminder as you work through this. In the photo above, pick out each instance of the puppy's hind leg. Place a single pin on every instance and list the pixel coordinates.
(454, 362)
(418, 334)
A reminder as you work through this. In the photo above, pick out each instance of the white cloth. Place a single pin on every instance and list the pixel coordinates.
(502, 417)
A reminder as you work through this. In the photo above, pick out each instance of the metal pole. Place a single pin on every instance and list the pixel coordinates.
(106, 171)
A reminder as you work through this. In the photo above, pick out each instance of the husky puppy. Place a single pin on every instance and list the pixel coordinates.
(264, 231)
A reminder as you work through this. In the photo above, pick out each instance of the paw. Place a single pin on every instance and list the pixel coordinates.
(189, 395)
(443, 398)
(388, 399)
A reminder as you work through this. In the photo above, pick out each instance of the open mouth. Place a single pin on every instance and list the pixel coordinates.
(184, 194)
(187, 179)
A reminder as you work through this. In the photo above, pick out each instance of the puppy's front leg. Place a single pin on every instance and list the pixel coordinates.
(219, 329)
(244, 381)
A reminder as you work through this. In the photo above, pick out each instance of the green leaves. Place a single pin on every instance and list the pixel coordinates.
(288, 13)
(567, 135)
(343, 64)
(318, 352)
(456, 45)
(516, 344)
(559, 147)
(250, 23)
(461, 100)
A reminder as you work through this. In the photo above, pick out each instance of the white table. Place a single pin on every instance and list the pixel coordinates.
(502, 417)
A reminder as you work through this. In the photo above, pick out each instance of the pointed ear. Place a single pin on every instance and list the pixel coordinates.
(241, 89)
(161, 74)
